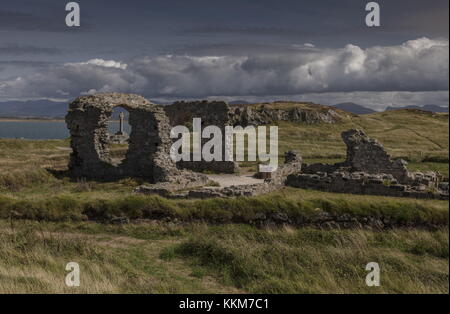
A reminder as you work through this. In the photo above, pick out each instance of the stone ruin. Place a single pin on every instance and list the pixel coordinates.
(211, 113)
(292, 165)
(309, 113)
(221, 114)
(368, 169)
(149, 142)
(368, 155)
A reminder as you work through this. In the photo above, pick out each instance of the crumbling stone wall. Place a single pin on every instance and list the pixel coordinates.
(361, 183)
(268, 113)
(292, 165)
(211, 113)
(149, 144)
(219, 113)
(367, 154)
(368, 169)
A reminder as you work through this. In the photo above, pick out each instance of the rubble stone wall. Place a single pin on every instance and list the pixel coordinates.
(368, 155)
(359, 183)
(292, 165)
(215, 113)
(368, 169)
(261, 115)
(149, 144)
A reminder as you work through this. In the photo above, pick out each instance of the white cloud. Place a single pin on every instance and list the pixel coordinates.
(419, 65)
(102, 63)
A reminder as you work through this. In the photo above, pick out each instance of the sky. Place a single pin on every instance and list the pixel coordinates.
(253, 50)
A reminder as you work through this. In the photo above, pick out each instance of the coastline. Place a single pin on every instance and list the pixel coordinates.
(37, 120)
(31, 120)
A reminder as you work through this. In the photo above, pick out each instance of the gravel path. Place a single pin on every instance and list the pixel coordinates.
(226, 180)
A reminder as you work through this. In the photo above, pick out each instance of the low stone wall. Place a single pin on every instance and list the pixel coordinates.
(209, 166)
(360, 183)
(292, 164)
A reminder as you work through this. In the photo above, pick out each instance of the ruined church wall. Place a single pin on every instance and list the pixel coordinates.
(358, 184)
(211, 113)
(149, 143)
(368, 155)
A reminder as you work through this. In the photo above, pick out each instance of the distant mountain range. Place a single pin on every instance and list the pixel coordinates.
(50, 109)
(238, 102)
(353, 108)
(40, 109)
(432, 108)
(358, 109)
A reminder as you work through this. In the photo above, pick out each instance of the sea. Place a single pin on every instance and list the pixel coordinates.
(43, 130)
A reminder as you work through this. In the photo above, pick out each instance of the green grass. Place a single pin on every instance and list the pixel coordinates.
(314, 261)
(34, 256)
(157, 257)
(211, 246)
(301, 206)
(418, 137)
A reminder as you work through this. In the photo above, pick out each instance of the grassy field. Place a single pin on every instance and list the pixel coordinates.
(211, 246)
(419, 137)
(198, 258)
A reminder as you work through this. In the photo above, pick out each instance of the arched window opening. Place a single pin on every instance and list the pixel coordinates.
(118, 134)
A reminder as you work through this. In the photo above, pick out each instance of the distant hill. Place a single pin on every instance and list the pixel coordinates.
(238, 102)
(354, 108)
(33, 108)
(40, 109)
(432, 108)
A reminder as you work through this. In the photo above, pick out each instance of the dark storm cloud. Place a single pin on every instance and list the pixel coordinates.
(416, 65)
(241, 49)
(247, 30)
(327, 22)
(427, 18)
(15, 49)
(24, 63)
(201, 48)
(18, 21)
(39, 16)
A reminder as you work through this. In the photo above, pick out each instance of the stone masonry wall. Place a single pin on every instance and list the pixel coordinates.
(211, 113)
(149, 144)
(368, 155)
(360, 183)
(262, 115)
(368, 169)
